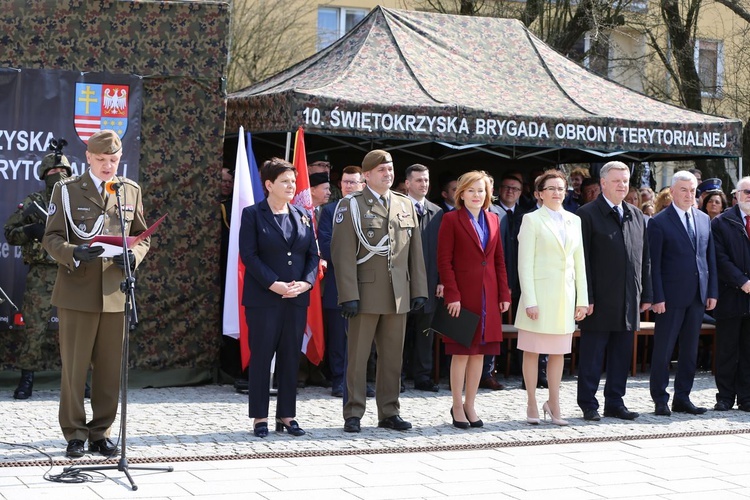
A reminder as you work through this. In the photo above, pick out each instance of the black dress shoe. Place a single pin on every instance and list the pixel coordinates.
(744, 406)
(622, 413)
(104, 447)
(261, 429)
(592, 415)
(25, 385)
(687, 407)
(74, 449)
(395, 422)
(426, 385)
(662, 409)
(725, 406)
(293, 428)
(351, 424)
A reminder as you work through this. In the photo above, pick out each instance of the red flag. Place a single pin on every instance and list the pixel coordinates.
(313, 343)
(234, 324)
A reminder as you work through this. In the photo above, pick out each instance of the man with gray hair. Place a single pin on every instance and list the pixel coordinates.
(684, 277)
(731, 231)
(618, 273)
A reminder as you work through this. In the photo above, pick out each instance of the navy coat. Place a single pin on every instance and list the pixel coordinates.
(269, 257)
(733, 262)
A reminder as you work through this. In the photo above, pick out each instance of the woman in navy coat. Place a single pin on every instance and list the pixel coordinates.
(278, 249)
(472, 271)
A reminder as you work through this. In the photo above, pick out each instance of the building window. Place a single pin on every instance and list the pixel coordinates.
(709, 58)
(593, 53)
(334, 22)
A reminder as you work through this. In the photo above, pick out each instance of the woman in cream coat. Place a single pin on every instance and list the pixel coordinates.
(552, 274)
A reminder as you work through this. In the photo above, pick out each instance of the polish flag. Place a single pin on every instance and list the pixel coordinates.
(313, 343)
(246, 182)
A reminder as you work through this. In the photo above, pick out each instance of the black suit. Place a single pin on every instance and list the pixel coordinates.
(276, 325)
(618, 273)
(732, 311)
(418, 340)
(684, 278)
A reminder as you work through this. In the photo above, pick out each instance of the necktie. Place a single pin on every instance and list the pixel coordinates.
(384, 201)
(509, 212)
(103, 191)
(747, 225)
(690, 230)
(616, 210)
(420, 209)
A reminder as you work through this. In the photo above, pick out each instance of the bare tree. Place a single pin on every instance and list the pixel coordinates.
(268, 36)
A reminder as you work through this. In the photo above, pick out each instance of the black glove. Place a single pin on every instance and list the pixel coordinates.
(33, 211)
(418, 303)
(350, 309)
(34, 231)
(120, 262)
(86, 253)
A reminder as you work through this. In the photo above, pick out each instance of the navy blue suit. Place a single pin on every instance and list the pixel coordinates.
(276, 325)
(336, 325)
(684, 278)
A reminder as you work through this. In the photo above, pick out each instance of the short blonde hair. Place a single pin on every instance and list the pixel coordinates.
(467, 180)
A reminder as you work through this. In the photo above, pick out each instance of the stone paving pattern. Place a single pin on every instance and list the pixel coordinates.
(211, 421)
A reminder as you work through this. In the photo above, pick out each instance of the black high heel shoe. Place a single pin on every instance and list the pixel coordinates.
(476, 423)
(260, 429)
(293, 428)
(457, 424)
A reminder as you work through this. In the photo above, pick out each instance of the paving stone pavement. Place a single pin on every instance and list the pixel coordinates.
(211, 422)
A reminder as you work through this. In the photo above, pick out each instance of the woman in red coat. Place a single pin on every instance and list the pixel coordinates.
(472, 272)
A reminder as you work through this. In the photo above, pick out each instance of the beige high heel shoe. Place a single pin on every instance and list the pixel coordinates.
(529, 418)
(555, 420)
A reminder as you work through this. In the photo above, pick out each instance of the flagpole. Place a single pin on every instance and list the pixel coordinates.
(288, 145)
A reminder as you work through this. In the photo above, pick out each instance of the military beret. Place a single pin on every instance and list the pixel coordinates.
(318, 179)
(104, 142)
(374, 158)
(318, 158)
(712, 184)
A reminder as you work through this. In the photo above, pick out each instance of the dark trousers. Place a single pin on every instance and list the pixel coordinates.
(592, 347)
(675, 323)
(274, 330)
(418, 346)
(336, 345)
(733, 360)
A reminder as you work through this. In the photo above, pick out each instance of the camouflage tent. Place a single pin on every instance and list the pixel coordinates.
(441, 82)
(179, 48)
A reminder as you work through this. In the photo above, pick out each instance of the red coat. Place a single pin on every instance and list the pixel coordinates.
(466, 270)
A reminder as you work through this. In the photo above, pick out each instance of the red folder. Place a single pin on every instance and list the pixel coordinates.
(132, 240)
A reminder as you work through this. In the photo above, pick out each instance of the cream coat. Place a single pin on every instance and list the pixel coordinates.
(552, 275)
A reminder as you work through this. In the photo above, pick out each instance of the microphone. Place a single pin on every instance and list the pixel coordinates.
(112, 187)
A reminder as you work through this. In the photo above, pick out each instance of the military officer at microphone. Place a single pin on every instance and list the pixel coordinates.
(87, 291)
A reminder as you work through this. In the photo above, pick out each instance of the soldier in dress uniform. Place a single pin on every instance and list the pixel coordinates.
(25, 228)
(87, 291)
(376, 249)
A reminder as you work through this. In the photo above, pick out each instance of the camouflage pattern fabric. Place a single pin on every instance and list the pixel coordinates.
(180, 49)
(31, 211)
(37, 347)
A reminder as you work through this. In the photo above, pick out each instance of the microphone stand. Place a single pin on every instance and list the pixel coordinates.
(128, 288)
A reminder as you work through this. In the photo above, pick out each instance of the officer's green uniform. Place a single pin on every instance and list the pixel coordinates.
(89, 301)
(384, 284)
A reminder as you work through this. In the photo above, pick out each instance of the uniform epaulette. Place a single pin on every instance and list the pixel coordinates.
(68, 180)
(399, 194)
(125, 180)
(355, 193)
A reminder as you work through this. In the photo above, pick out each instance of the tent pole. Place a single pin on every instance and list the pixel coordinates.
(288, 145)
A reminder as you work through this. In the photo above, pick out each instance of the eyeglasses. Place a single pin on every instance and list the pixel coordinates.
(351, 183)
(746, 192)
(554, 189)
(511, 189)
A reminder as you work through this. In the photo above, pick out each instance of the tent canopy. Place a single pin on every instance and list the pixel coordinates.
(486, 82)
